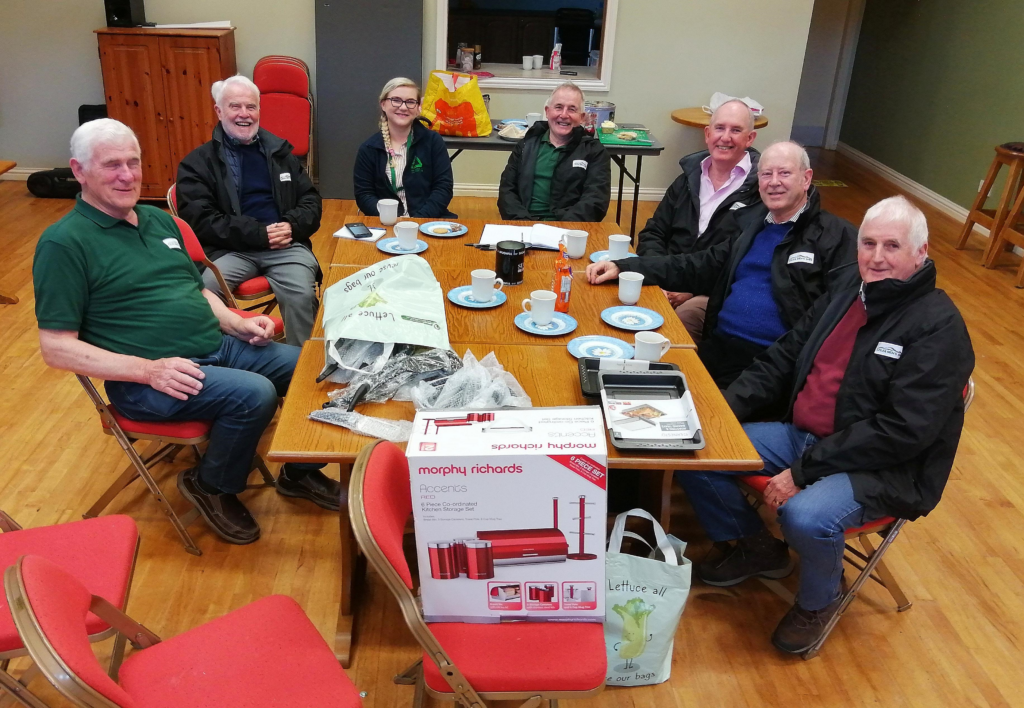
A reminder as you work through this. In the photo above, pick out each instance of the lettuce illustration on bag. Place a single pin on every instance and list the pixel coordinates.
(634, 629)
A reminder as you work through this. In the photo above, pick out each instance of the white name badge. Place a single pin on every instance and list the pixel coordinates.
(802, 257)
(893, 351)
(286, 176)
(580, 163)
(172, 243)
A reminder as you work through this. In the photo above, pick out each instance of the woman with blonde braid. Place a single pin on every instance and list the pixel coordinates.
(404, 160)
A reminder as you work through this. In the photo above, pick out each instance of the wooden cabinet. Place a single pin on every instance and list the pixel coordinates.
(158, 83)
(506, 37)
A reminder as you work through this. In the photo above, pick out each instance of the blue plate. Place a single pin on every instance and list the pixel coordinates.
(597, 256)
(512, 121)
(456, 229)
(390, 245)
(635, 319)
(464, 296)
(560, 324)
(600, 347)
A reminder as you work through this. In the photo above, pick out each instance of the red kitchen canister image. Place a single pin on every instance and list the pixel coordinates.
(479, 559)
(443, 565)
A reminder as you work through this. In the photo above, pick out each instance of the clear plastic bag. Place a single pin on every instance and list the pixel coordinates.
(406, 366)
(393, 430)
(478, 385)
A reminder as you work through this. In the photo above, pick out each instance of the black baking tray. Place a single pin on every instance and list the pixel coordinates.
(589, 383)
(651, 385)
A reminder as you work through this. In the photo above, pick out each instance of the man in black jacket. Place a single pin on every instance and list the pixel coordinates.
(253, 206)
(697, 210)
(557, 172)
(872, 380)
(761, 281)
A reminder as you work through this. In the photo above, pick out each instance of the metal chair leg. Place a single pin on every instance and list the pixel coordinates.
(410, 675)
(903, 603)
(18, 690)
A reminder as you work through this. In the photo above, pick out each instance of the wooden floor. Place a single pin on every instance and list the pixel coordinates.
(962, 643)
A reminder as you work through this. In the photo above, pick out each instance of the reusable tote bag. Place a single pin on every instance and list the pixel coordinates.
(644, 600)
(454, 105)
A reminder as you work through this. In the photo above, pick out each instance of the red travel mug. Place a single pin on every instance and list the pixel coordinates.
(479, 559)
(442, 561)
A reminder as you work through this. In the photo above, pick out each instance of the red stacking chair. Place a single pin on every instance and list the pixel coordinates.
(264, 655)
(101, 553)
(286, 103)
(198, 255)
(463, 662)
(867, 559)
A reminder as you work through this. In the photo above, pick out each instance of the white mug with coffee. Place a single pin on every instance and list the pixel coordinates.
(629, 287)
(406, 232)
(388, 210)
(618, 246)
(483, 285)
(541, 306)
(575, 243)
(650, 346)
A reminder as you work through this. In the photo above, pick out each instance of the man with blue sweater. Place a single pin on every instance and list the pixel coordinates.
(253, 207)
(764, 279)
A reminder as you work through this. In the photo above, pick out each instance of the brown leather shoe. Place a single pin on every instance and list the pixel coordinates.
(315, 486)
(799, 629)
(225, 514)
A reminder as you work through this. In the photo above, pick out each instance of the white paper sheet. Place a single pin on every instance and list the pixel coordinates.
(374, 234)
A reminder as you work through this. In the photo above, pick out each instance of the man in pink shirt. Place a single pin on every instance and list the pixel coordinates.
(696, 212)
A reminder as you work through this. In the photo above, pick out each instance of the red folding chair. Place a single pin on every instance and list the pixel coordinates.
(166, 440)
(101, 553)
(198, 255)
(286, 103)
(867, 559)
(467, 663)
(266, 654)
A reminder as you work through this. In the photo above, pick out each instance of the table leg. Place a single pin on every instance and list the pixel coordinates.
(451, 158)
(343, 634)
(636, 195)
(621, 162)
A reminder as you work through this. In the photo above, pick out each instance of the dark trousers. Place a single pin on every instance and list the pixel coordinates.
(239, 395)
(726, 357)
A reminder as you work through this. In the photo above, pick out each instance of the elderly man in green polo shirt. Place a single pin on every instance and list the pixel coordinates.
(119, 298)
(557, 172)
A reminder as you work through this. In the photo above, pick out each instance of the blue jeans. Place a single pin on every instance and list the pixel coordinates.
(813, 522)
(239, 395)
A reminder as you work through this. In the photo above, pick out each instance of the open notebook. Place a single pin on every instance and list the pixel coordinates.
(538, 235)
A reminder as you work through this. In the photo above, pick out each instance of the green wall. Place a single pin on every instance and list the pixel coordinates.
(936, 85)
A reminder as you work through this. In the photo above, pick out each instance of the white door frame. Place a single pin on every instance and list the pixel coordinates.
(844, 72)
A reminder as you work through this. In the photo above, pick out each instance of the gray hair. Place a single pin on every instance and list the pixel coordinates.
(749, 113)
(899, 210)
(567, 86)
(397, 83)
(102, 131)
(805, 159)
(219, 87)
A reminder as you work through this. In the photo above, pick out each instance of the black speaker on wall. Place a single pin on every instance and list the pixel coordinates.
(125, 13)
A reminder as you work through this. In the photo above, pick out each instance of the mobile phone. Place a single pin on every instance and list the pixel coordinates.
(358, 230)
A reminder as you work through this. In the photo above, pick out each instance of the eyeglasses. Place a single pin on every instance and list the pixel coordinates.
(409, 103)
(570, 109)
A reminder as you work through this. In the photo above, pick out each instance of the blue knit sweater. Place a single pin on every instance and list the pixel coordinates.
(749, 311)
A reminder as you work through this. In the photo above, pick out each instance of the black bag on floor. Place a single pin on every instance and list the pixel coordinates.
(58, 183)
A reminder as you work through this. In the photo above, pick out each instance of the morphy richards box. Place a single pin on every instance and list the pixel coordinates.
(510, 511)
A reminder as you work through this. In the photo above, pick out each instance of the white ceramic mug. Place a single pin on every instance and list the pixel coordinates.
(618, 246)
(527, 63)
(650, 346)
(541, 306)
(538, 61)
(406, 232)
(388, 210)
(532, 118)
(629, 287)
(575, 243)
(483, 285)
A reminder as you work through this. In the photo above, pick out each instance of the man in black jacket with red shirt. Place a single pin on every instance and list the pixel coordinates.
(873, 380)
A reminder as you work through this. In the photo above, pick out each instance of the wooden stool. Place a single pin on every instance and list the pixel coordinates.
(1011, 155)
(1008, 235)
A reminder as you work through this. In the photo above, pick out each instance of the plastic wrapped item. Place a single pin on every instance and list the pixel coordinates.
(406, 365)
(353, 356)
(393, 430)
(479, 385)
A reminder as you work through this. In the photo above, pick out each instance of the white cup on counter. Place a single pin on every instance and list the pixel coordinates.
(527, 62)
(541, 306)
(650, 346)
(532, 118)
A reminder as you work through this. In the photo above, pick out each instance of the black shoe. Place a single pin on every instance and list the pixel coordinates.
(319, 489)
(799, 629)
(761, 554)
(225, 514)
